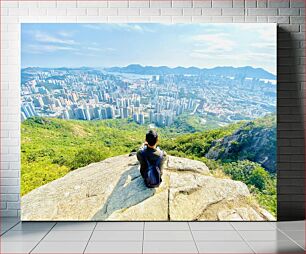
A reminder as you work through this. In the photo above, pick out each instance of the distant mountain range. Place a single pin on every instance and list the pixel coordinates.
(246, 71)
(34, 69)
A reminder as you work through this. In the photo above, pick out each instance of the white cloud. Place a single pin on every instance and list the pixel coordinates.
(86, 54)
(40, 49)
(94, 49)
(100, 49)
(237, 59)
(242, 56)
(109, 49)
(213, 43)
(44, 37)
(263, 45)
(266, 32)
(268, 35)
(66, 33)
(257, 46)
(93, 26)
(120, 26)
(133, 27)
(260, 56)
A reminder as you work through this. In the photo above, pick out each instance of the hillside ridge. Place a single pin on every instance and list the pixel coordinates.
(249, 142)
(246, 71)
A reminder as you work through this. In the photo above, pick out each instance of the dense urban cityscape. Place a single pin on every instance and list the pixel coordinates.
(95, 94)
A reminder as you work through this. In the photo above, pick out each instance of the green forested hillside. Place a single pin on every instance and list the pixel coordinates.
(254, 141)
(50, 148)
(241, 152)
(53, 147)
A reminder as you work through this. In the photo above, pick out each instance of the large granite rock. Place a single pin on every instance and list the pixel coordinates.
(114, 190)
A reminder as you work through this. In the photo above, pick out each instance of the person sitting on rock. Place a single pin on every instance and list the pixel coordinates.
(152, 160)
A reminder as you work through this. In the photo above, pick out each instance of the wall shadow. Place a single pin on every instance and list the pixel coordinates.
(290, 129)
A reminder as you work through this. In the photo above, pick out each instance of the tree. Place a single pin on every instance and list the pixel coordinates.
(259, 178)
(86, 156)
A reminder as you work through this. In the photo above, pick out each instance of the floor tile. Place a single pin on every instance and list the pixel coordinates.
(301, 243)
(296, 235)
(22, 236)
(219, 226)
(5, 226)
(169, 247)
(114, 247)
(166, 226)
(60, 247)
(253, 225)
(119, 226)
(69, 236)
(3, 230)
(33, 226)
(276, 247)
(273, 235)
(9, 224)
(17, 247)
(167, 236)
(9, 220)
(63, 226)
(291, 225)
(216, 236)
(223, 247)
(101, 236)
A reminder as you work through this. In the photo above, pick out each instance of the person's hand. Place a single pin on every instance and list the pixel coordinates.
(144, 144)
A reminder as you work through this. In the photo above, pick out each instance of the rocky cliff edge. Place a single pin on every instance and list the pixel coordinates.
(114, 190)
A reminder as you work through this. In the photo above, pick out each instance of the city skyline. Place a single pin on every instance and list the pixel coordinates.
(100, 45)
(89, 94)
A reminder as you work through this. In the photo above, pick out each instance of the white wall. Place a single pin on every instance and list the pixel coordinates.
(290, 14)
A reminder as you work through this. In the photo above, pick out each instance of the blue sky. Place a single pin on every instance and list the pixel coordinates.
(104, 45)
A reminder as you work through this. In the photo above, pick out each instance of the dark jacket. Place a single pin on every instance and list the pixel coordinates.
(152, 155)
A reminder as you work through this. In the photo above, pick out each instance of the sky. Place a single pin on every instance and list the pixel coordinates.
(107, 45)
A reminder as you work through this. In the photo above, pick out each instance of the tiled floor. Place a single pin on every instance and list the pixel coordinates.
(152, 237)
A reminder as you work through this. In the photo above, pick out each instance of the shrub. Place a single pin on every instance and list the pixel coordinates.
(259, 178)
(86, 156)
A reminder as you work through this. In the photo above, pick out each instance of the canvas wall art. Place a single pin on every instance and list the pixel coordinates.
(148, 122)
